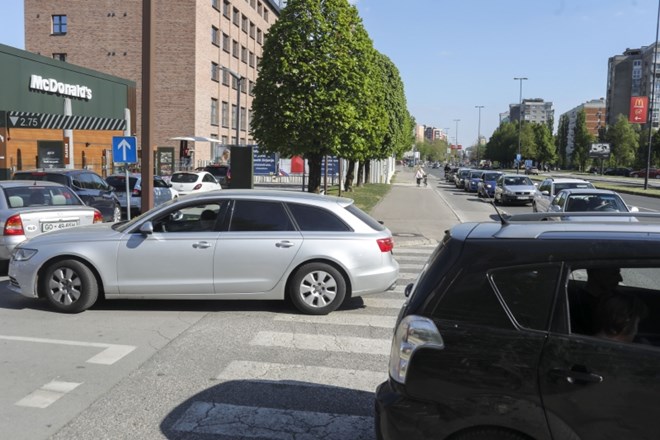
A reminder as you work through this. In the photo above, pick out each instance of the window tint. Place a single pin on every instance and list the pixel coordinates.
(312, 218)
(208, 178)
(160, 183)
(18, 197)
(366, 218)
(184, 177)
(252, 215)
(196, 218)
(471, 299)
(528, 293)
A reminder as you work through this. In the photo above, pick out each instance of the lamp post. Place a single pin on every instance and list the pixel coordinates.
(448, 144)
(456, 135)
(239, 80)
(520, 121)
(478, 131)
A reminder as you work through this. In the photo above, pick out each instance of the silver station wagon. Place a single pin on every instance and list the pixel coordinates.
(232, 244)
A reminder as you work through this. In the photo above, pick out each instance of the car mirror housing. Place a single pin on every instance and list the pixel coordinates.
(147, 228)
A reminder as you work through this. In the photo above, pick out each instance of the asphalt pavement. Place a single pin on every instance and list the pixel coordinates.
(415, 215)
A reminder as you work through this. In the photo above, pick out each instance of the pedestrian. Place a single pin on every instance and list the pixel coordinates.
(419, 175)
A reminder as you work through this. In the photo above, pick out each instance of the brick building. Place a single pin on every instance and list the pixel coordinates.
(595, 116)
(205, 50)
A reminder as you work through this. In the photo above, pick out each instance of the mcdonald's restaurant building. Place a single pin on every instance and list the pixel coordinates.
(57, 115)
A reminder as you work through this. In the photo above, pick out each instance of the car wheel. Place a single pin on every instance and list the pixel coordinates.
(489, 434)
(317, 289)
(69, 286)
(116, 213)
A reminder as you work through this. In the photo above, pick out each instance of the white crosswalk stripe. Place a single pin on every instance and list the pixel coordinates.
(301, 341)
(342, 319)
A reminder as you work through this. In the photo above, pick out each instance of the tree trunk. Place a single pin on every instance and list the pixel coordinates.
(314, 162)
(360, 176)
(350, 174)
(367, 171)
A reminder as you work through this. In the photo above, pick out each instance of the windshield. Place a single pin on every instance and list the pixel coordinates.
(517, 180)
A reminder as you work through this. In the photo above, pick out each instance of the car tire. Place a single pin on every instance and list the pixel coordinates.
(490, 434)
(317, 289)
(116, 214)
(69, 286)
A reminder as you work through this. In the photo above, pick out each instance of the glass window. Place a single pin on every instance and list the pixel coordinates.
(234, 48)
(196, 218)
(225, 42)
(252, 31)
(251, 59)
(214, 111)
(225, 78)
(225, 114)
(59, 56)
(243, 119)
(259, 36)
(528, 293)
(226, 6)
(236, 19)
(312, 218)
(244, 54)
(214, 3)
(251, 215)
(244, 23)
(59, 24)
(214, 71)
(215, 36)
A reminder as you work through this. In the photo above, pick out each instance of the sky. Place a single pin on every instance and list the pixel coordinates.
(453, 55)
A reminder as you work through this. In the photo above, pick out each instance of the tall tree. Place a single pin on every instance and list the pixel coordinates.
(624, 143)
(546, 151)
(561, 141)
(503, 144)
(582, 141)
(315, 94)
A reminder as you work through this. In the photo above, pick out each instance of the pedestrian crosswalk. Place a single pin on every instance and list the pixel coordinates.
(330, 394)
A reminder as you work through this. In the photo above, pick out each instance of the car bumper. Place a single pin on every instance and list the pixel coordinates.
(377, 280)
(22, 277)
(8, 243)
(517, 199)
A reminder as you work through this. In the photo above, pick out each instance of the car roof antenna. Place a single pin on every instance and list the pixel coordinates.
(503, 219)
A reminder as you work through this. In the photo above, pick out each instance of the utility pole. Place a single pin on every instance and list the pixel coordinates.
(520, 121)
(478, 131)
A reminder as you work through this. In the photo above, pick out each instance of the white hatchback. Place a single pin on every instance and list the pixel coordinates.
(187, 182)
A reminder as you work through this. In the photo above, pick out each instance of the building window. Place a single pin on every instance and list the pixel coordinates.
(243, 119)
(234, 82)
(251, 59)
(59, 24)
(225, 78)
(214, 3)
(59, 56)
(225, 140)
(225, 42)
(266, 15)
(253, 3)
(214, 71)
(236, 19)
(225, 118)
(234, 48)
(233, 116)
(215, 36)
(252, 32)
(225, 8)
(244, 24)
(259, 8)
(244, 54)
(251, 88)
(259, 36)
(214, 111)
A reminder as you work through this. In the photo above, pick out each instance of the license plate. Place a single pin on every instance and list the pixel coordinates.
(523, 198)
(55, 226)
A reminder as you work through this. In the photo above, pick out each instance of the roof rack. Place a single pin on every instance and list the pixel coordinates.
(595, 217)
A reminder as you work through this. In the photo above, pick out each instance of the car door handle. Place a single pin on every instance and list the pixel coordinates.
(576, 377)
(202, 245)
(284, 244)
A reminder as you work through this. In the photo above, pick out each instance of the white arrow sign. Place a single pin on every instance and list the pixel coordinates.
(123, 146)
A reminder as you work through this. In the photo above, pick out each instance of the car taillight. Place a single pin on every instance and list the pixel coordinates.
(385, 244)
(412, 333)
(14, 226)
(98, 218)
(198, 186)
(136, 193)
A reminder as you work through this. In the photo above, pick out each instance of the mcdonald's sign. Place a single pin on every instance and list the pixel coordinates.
(639, 106)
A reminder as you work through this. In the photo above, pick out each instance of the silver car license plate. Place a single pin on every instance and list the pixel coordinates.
(54, 226)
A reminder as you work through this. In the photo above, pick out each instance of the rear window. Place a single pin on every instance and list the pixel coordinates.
(313, 218)
(184, 178)
(34, 195)
(560, 186)
(119, 183)
(217, 171)
(37, 175)
(366, 218)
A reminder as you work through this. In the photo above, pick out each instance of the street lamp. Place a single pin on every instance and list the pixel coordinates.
(456, 135)
(478, 131)
(520, 120)
(448, 143)
(239, 79)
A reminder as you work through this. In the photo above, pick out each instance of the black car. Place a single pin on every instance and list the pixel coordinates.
(527, 329)
(618, 171)
(221, 172)
(91, 188)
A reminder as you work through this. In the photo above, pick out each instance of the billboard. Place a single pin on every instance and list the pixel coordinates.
(264, 164)
(600, 151)
(639, 106)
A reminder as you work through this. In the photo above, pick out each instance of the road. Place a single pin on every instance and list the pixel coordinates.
(204, 369)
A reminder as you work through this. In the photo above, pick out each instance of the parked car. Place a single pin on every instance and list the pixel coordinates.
(532, 170)
(163, 191)
(187, 182)
(549, 188)
(505, 335)
(460, 176)
(221, 172)
(618, 171)
(654, 173)
(488, 183)
(514, 189)
(28, 209)
(473, 180)
(591, 200)
(90, 187)
(450, 173)
(315, 250)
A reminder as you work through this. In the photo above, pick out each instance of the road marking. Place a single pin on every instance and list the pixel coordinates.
(301, 341)
(409, 258)
(342, 319)
(249, 421)
(306, 375)
(47, 394)
(414, 250)
(111, 353)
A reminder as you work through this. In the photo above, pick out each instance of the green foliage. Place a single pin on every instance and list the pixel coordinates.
(503, 144)
(546, 151)
(561, 141)
(582, 141)
(624, 142)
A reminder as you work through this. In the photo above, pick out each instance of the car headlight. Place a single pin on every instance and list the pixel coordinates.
(488, 185)
(23, 254)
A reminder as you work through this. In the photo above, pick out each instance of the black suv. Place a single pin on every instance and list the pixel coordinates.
(91, 188)
(221, 172)
(530, 329)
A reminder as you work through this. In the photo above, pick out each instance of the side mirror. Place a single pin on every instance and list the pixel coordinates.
(147, 228)
(408, 290)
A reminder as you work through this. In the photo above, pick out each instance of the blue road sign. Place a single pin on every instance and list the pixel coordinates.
(124, 149)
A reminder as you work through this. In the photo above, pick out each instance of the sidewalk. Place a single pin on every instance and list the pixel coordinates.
(415, 215)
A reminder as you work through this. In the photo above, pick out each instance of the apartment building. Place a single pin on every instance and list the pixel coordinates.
(532, 110)
(596, 115)
(205, 51)
(631, 74)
